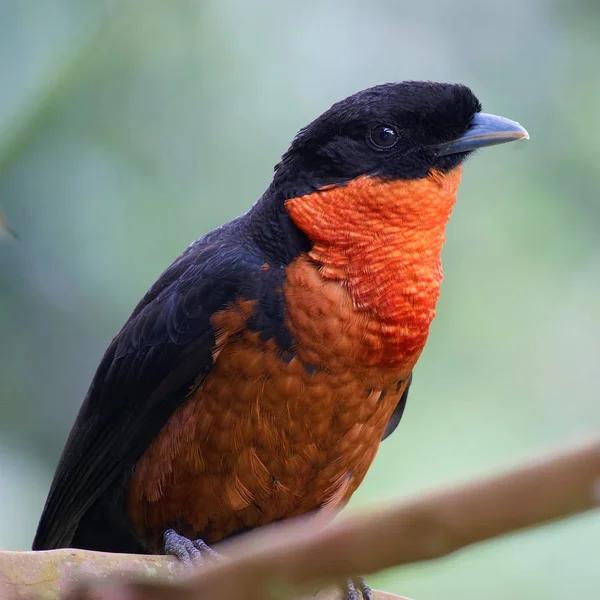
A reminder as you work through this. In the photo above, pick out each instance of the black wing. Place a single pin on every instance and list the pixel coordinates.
(398, 412)
(163, 349)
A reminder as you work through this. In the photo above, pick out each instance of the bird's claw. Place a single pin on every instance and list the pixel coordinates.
(206, 550)
(357, 587)
(190, 552)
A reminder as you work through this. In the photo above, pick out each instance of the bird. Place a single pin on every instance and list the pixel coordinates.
(256, 379)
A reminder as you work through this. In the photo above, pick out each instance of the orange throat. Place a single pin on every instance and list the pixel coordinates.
(383, 241)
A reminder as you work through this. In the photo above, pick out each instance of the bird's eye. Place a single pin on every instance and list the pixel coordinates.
(383, 137)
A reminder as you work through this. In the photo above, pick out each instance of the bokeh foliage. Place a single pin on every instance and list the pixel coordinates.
(129, 128)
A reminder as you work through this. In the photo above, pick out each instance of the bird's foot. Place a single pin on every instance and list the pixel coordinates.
(190, 552)
(357, 587)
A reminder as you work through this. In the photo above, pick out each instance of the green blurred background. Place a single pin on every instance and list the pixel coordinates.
(129, 128)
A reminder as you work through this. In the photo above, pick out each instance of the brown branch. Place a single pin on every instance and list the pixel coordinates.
(282, 560)
(52, 574)
(35, 575)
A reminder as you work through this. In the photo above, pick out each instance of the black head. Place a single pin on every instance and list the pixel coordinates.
(392, 131)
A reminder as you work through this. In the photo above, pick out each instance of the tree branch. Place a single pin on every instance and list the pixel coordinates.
(296, 556)
(37, 575)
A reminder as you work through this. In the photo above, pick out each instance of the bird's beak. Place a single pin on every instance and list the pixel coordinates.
(485, 130)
